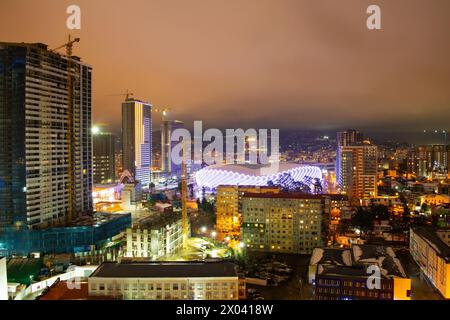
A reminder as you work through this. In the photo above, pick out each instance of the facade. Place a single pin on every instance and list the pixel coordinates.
(155, 237)
(229, 218)
(431, 161)
(137, 140)
(357, 171)
(283, 222)
(166, 281)
(351, 274)
(79, 237)
(131, 195)
(430, 248)
(167, 127)
(45, 141)
(3, 280)
(256, 175)
(104, 166)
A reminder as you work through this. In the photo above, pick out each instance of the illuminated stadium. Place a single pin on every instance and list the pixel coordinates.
(255, 175)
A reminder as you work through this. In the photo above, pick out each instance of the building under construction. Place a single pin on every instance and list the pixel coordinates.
(45, 136)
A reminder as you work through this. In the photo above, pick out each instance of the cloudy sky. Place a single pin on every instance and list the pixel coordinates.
(258, 63)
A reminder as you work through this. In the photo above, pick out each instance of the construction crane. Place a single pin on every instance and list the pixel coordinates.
(184, 215)
(164, 112)
(127, 95)
(69, 49)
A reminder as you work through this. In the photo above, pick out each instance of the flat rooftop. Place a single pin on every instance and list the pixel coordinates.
(429, 234)
(61, 291)
(284, 195)
(354, 261)
(165, 270)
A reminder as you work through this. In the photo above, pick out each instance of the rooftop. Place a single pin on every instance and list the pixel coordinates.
(61, 291)
(283, 195)
(429, 234)
(358, 257)
(198, 269)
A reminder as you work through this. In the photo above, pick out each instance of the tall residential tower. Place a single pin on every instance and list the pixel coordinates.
(137, 139)
(356, 165)
(45, 136)
(167, 127)
(104, 146)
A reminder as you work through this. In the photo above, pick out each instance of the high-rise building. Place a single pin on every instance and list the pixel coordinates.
(229, 219)
(430, 161)
(349, 138)
(45, 136)
(167, 127)
(356, 165)
(104, 149)
(282, 222)
(137, 139)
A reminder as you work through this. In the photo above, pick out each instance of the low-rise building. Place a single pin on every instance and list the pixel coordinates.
(363, 272)
(283, 222)
(155, 237)
(166, 281)
(430, 248)
(84, 234)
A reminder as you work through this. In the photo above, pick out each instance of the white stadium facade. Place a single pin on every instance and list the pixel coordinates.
(254, 175)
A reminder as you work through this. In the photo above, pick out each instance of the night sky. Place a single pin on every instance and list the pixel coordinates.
(306, 64)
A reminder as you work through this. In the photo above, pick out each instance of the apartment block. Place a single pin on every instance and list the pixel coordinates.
(229, 218)
(283, 222)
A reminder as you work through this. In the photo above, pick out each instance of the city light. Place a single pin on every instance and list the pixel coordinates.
(95, 130)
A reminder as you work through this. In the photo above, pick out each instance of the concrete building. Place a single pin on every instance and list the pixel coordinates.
(104, 166)
(357, 171)
(3, 280)
(430, 248)
(283, 222)
(83, 235)
(363, 272)
(137, 140)
(430, 161)
(131, 195)
(167, 127)
(45, 141)
(229, 219)
(166, 281)
(155, 237)
(349, 138)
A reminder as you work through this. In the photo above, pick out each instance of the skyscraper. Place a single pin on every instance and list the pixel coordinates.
(104, 157)
(137, 139)
(356, 165)
(431, 161)
(349, 138)
(45, 136)
(167, 127)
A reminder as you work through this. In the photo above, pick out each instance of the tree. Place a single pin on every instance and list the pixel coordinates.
(362, 219)
(152, 187)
